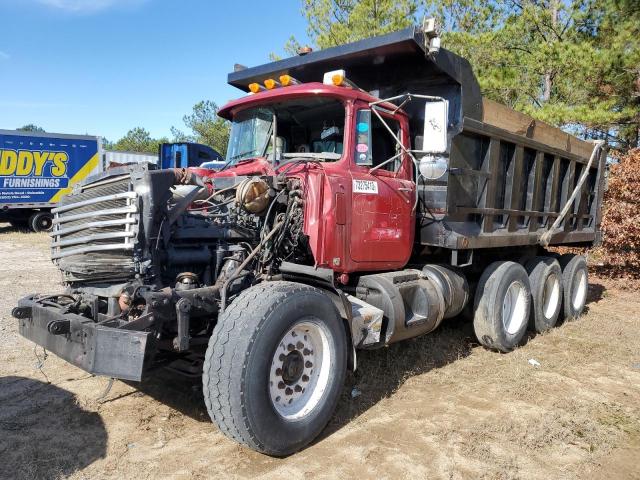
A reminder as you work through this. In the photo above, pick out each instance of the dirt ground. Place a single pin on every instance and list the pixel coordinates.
(439, 406)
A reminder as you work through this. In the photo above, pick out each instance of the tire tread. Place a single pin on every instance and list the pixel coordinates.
(223, 365)
(486, 325)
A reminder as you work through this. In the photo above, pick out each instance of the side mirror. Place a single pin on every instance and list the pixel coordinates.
(435, 127)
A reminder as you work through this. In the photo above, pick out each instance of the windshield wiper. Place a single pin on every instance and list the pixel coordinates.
(243, 154)
(226, 164)
(231, 159)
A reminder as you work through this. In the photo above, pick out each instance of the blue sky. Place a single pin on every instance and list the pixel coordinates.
(104, 66)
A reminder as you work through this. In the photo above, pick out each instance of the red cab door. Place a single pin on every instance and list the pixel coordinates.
(382, 194)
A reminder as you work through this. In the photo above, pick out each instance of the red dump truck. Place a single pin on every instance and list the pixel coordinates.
(369, 194)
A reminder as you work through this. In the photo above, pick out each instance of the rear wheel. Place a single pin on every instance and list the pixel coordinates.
(41, 222)
(545, 278)
(575, 280)
(501, 307)
(275, 367)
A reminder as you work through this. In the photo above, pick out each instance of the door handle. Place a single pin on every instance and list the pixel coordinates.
(404, 189)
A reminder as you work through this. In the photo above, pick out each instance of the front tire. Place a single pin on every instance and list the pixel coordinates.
(275, 367)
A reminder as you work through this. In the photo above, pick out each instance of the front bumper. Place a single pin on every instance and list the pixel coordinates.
(95, 348)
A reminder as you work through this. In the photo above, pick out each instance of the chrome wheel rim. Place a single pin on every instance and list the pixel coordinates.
(299, 372)
(579, 290)
(514, 308)
(551, 295)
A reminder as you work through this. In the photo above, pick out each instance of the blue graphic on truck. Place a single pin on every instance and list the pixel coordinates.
(36, 168)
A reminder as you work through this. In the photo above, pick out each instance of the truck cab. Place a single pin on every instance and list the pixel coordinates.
(187, 155)
(356, 169)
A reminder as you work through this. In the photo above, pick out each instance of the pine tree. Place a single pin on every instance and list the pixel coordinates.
(574, 64)
(335, 22)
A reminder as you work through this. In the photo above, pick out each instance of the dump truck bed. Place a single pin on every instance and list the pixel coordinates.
(509, 176)
(509, 179)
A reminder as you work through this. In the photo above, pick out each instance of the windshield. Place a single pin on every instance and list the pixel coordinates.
(249, 136)
(310, 127)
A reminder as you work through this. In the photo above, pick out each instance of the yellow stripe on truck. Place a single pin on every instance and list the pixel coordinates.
(79, 176)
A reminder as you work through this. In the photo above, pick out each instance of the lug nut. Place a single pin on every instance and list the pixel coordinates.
(308, 364)
(299, 345)
(280, 385)
(288, 391)
(305, 378)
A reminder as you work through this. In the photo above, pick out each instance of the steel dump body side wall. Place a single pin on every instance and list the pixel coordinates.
(505, 190)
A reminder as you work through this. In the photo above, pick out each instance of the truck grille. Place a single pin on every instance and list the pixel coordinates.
(94, 232)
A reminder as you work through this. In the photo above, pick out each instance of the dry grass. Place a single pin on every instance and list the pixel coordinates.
(23, 237)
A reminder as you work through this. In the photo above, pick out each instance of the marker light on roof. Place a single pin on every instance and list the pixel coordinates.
(255, 87)
(286, 80)
(270, 84)
(335, 77)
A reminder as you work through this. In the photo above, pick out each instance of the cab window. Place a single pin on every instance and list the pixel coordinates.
(374, 143)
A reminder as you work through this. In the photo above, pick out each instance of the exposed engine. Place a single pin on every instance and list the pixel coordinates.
(137, 240)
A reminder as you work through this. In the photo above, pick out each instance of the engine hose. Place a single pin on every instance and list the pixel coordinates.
(215, 193)
(266, 217)
(545, 238)
(238, 271)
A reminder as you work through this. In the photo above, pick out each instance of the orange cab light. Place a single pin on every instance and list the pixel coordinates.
(270, 83)
(337, 79)
(286, 80)
(255, 87)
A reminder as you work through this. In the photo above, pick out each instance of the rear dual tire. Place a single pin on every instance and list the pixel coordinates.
(575, 278)
(275, 367)
(545, 279)
(502, 305)
(509, 298)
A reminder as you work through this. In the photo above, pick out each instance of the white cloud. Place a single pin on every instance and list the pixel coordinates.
(4, 55)
(90, 6)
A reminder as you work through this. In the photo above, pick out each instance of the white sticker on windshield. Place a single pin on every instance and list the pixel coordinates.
(365, 186)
